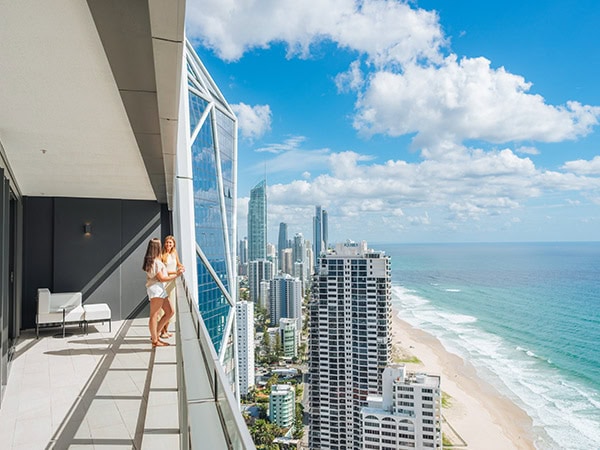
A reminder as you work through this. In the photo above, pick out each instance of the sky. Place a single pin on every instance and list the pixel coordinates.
(416, 122)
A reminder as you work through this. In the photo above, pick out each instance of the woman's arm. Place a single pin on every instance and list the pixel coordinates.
(179, 265)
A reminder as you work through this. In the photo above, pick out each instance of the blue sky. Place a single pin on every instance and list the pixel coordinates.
(429, 121)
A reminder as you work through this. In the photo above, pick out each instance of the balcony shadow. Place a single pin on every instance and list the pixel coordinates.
(67, 435)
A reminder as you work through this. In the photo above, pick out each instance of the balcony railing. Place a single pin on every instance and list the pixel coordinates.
(209, 415)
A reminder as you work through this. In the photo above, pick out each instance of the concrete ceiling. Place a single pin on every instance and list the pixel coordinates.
(89, 96)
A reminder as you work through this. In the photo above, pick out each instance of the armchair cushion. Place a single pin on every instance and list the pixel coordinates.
(52, 306)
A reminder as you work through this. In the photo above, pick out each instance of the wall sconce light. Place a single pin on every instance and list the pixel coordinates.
(87, 229)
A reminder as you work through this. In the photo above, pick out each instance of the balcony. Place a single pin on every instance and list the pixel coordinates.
(113, 389)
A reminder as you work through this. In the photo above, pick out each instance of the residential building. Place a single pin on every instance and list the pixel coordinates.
(257, 222)
(258, 271)
(286, 261)
(282, 405)
(407, 415)
(285, 299)
(245, 346)
(263, 294)
(349, 342)
(121, 137)
(243, 257)
(320, 232)
(282, 242)
(290, 337)
(298, 253)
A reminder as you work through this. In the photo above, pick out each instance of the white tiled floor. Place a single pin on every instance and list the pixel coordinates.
(101, 390)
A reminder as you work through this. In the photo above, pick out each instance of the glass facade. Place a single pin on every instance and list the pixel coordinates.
(257, 222)
(213, 150)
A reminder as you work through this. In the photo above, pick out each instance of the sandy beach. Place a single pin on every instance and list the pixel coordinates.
(480, 415)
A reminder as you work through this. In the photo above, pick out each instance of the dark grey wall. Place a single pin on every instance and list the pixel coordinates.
(104, 265)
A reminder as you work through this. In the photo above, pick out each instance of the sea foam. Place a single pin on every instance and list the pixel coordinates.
(565, 414)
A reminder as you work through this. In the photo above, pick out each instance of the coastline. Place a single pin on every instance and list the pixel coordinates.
(479, 414)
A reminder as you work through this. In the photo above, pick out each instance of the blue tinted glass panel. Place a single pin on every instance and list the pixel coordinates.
(197, 107)
(225, 129)
(213, 305)
(207, 208)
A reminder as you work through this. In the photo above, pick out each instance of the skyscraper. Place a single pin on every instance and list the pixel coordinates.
(319, 232)
(285, 299)
(257, 222)
(211, 155)
(245, 341)
(243, 257)
(282, 242)
(298, 254)
(349, 342)
(258, 271)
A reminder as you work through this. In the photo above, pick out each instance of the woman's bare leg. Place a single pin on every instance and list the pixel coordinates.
(166, 306)
(155, 305)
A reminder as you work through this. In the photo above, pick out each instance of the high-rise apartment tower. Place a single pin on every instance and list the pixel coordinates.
(349, 342)
(319, 232)
(257, 222)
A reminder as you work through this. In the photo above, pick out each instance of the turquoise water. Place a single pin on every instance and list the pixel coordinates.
(527, 316)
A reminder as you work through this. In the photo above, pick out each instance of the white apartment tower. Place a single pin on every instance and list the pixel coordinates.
(282, 407)
(245, 344)
(285, 299)
(349, 342)
(407, 415)
(259, 270)
(290, 337)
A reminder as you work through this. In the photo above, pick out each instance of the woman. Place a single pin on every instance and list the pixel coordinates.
(171, 259)
(156, 277)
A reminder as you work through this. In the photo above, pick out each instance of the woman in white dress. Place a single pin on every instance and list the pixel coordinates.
(171, 259)
(156, 277)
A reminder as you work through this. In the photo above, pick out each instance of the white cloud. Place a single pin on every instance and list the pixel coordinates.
(388, 31)
(289, 144)
(471, 185)
(465, 99)
(410, 82)
(526, 150)
(583, 167)
(253, 121)
(351, 80)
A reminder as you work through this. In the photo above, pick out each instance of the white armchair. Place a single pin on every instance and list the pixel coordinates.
(58, 308)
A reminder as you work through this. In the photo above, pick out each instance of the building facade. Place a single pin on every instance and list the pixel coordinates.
(245, 345)
(132, 140)
(290, 337)
(258, 271)
(285, 299)
(282, 405)
(257, 222)
(407, 415)
(349, 342)
(320, 232)
(282, 242)
(209, 154)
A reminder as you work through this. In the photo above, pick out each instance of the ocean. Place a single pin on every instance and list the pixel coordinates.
(526, 315)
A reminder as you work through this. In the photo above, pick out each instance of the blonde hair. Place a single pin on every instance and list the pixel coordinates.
(164, 253)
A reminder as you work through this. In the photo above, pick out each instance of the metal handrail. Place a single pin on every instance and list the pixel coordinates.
(209, 415)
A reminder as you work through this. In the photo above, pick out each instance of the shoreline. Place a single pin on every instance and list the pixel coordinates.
(480, 415)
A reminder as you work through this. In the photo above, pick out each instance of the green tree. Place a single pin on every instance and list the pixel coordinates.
(277, 348)
(264, 433)
(274, 379)
(266, 342)
(298, 432)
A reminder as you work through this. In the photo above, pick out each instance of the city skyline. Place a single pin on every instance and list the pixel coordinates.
(472, 122)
